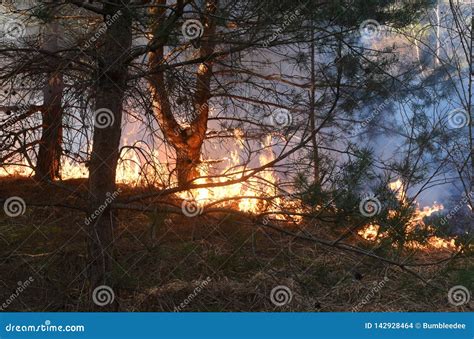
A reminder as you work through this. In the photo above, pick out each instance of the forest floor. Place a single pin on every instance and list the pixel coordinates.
(161, 259)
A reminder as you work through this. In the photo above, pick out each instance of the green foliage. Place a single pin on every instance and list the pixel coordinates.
(351, 13)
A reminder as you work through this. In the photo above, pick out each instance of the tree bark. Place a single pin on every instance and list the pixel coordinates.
(49, 153)
(470, 104)
(187, 142)
(111, 84)
(186, 164)
(312, 113)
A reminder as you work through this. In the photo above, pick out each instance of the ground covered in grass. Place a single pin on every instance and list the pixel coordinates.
(216, 262)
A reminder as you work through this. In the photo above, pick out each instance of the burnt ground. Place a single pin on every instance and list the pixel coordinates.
(160, 259)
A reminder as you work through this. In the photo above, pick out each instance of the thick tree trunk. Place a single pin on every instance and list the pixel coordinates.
(312, 115)
(49, 153)
(186, 165)
(187, 142)
(106, 141)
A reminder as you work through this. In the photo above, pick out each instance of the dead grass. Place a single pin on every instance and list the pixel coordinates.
(160, 259)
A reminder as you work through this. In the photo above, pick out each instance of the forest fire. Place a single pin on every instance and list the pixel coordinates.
(247, 194)
(148, 146)
(371, 232)
(252, 195)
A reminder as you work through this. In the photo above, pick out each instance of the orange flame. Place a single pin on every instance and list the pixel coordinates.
(251, 191)
(244, 195)
(371, 232)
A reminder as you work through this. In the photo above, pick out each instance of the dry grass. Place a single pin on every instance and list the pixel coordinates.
(161, 259)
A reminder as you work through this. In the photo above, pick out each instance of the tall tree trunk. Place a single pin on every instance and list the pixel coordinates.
(470, 104)
(187, 142)
(111, 84)
(49, 154)
(186, 163)
(312, 113)
(438, 35)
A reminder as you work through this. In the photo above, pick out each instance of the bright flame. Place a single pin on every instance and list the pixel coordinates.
(398, 188)
(128, 170)
(372, 232)
(245, 196)
(251, 190)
